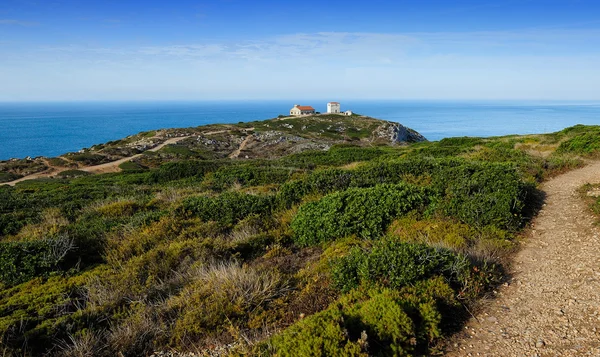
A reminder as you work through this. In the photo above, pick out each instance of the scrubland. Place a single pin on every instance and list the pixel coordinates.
(354, 251)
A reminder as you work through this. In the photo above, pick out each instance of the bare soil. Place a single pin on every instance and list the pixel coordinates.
(112, 166)
(551, 305)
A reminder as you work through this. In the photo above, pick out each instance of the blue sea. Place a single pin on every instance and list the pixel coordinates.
(51, 129)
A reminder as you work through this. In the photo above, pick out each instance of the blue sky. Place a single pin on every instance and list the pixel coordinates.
(231, 49)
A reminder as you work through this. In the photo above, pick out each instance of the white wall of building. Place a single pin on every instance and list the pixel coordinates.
(333, 108)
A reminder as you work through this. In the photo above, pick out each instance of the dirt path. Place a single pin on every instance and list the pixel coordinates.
(243, 144)
(552, 305)
(112, 166)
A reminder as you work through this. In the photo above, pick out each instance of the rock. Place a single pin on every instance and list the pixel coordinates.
(398, 133)
(540, 344)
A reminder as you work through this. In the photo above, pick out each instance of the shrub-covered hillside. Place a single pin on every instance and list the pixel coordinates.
(266, 139)
(353, 251)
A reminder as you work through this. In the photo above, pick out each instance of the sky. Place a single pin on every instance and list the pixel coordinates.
(69, 50)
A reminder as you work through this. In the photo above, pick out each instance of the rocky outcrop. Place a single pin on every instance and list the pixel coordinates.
(397, 133)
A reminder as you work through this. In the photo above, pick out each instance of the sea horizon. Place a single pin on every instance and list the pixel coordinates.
(52, 128)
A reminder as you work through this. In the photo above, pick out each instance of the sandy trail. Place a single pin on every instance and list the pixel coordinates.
(243, 144)
(552, 305)
(112, 166)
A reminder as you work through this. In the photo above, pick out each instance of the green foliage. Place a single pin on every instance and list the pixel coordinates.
(183, 169)
(322, 334)
(131, 166)
(365, 212)
(179, 150)
(336, 156)
(483, 194)
(396, 264)
(22, 261)
(72, 173)
(227, 208)
(583, 142)
(9, 176)
(247, 175)
(374, 322)
(88, 159)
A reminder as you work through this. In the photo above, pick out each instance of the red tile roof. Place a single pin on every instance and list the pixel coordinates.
(305, 108)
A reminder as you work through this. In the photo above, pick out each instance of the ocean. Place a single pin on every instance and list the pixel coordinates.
(52, 129)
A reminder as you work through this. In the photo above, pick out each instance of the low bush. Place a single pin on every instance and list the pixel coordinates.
(396, 264)
(22, 261)
(183, 169)
(483, 194)
(88, 159)
(72, 173)
(365, 212)
(246, 175)
(227, 208)
(131, 166)
(585, 143)
(484, 244)
(336, 156)
(9, 176)
(373, 322)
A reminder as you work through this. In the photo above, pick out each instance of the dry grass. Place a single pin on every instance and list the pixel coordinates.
(134, 336)
(51, 224)
(89, 344)
(244, 285)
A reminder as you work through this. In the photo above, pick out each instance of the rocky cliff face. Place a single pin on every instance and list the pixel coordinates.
(397, 133)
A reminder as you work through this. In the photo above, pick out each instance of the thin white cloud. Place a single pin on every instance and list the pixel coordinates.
(518, 64)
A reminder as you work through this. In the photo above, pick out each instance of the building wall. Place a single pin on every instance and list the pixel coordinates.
(333, 108)
(295, 111)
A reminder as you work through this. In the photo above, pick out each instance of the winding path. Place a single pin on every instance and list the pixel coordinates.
(242, 146)
(112, 166)
(551, 307)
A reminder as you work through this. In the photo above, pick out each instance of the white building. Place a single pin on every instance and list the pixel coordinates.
(333, 108)
(348, 112)
(302, 110)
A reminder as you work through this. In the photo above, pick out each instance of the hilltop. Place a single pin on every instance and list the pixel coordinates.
(248, 243)
(266, 139)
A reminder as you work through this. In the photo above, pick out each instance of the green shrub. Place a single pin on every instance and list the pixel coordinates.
(397, 264)
(247, 175)
(375, 322)
(365, 212)
(322, 334)
(72, 173)
(336, 156)
(487, 243)
(183, 169)
(88, 158)
(22, 261)
(483, 194)
(9, 176)
(131, 166)
(586, 143)
(227, 208)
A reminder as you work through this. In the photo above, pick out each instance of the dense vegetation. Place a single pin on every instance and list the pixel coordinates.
(354, 251)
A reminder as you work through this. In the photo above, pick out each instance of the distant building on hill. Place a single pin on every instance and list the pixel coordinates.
(333, 108)
(302, 110)
(348, 112)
